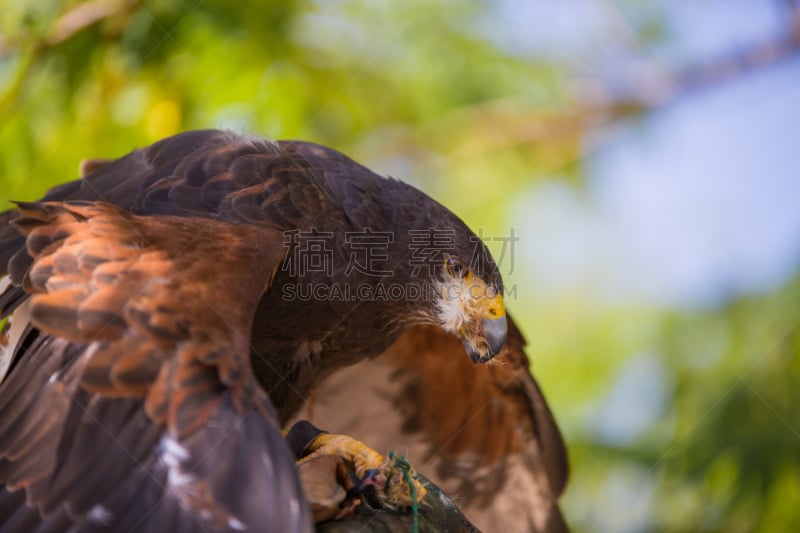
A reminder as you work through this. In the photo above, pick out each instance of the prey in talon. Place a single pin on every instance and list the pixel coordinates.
(394, 482)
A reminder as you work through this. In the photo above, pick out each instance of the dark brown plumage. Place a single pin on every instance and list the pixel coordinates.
(150, 371)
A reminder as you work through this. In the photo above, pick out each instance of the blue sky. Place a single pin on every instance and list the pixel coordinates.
(697, 202)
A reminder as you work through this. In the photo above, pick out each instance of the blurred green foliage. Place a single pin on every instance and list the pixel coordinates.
(413, 90)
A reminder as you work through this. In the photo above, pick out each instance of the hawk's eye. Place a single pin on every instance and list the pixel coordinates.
(455, 267)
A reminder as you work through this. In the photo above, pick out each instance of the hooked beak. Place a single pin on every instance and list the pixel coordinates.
(495, 331)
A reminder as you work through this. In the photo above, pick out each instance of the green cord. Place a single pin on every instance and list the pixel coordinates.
(405, 466)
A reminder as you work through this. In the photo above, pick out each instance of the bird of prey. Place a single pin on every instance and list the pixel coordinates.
(174, 308)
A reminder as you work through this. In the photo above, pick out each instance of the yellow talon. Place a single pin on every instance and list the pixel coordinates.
(392, 484)
(362, 456)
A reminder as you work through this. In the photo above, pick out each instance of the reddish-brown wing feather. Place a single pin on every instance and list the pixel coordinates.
(156, 292)
(483, 433)
(135, 380)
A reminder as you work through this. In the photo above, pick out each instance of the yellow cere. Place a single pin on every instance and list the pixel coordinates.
(490, 301)
(494, 306)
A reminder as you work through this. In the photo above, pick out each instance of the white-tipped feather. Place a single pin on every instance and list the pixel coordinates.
(175, 456)
(235, 523)
(100, 515)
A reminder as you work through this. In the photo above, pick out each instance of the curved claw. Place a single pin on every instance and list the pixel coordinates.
(372, 478)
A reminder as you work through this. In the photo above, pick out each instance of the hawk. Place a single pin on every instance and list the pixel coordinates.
(174, 308)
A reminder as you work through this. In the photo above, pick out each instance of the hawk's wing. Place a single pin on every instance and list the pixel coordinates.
(129, 403)
(483, 433)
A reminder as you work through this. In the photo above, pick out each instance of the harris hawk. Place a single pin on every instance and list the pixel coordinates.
(157, 340)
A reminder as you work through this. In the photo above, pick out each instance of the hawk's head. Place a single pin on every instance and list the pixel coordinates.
(469, 304)
(387, 235)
